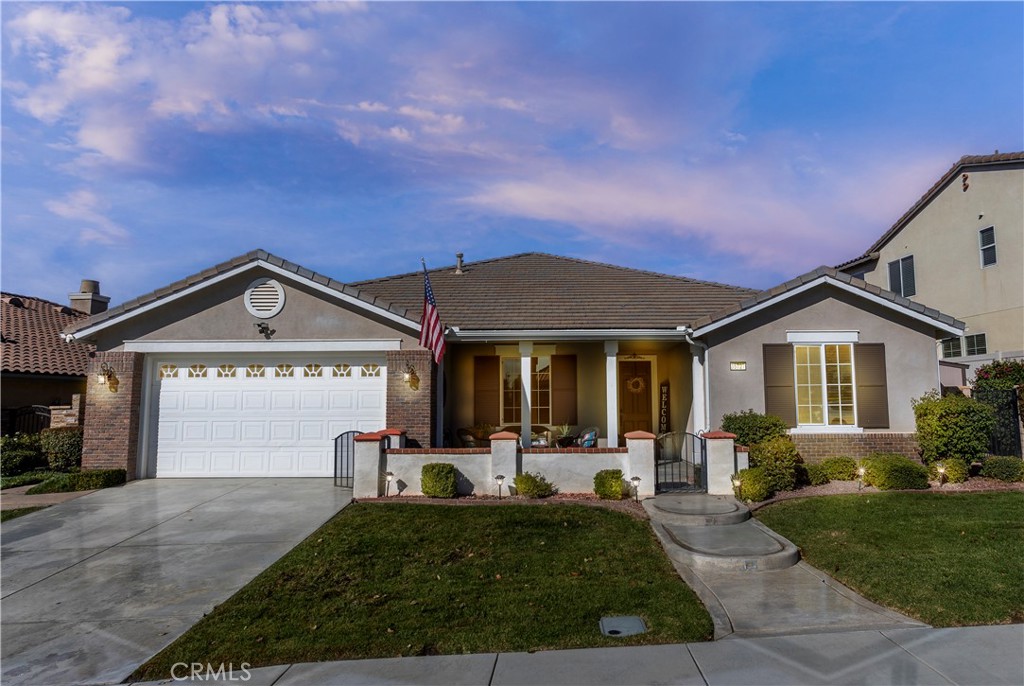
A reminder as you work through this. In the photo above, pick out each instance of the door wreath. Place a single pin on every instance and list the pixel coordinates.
(636, 384)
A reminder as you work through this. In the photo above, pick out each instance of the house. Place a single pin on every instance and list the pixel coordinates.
(254, 366)
(40, 370)
(959, 248)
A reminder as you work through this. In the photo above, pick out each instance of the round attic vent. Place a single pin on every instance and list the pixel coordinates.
(264, 298)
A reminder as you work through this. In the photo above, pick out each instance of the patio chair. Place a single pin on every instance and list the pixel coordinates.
(588, 437)
(466, 438)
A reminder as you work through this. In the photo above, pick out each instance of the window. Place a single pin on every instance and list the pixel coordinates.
(901, 276)
(987, 241)
(226, 371)
(512, 390)
(951, 347)
(976, 344)
(168, 371)
(197, 371)
(312, 371)
(824, 384)
(341, 371)
(284, 371)
(255, 371)
(369, 371)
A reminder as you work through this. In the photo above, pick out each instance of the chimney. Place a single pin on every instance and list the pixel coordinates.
(89, 299)
(458, 263)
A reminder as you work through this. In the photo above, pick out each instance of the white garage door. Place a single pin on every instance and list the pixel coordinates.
(260, 418)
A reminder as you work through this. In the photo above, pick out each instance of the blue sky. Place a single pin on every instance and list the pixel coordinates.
(737, 142)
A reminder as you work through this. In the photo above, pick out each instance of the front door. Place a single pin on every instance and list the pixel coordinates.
(635, 396)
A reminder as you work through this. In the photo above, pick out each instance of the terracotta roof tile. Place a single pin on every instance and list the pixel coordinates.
(541, 291)
(31, 337)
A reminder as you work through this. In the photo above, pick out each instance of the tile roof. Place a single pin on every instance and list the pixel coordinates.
(837, 275)
(998, 158)
(229, 265)
(541, 291)
(31, 337)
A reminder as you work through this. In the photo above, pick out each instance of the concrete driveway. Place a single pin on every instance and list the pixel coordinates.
(94, 587)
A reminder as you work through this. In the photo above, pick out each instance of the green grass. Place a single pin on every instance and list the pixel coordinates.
(403, 579)
(25, 479)
(12, 514)
(946, 559)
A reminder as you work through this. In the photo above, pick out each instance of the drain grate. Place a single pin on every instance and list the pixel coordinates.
(622, 626)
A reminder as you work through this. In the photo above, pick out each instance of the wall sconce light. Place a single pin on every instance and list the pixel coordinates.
(107, 377)
(389, 476)
(499, 479)
(636, 488)
(411, 378)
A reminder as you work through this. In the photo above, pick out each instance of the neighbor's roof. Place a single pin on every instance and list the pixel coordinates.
(225, 268)
(31, 337)
(943, 321)
(965, 162)
(540, 291)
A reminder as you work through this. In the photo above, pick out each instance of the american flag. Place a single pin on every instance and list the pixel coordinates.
(431, 331)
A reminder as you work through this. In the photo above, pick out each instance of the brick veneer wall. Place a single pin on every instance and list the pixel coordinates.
(408, 409)
(68, 415)
(816, 447)
(111, 437)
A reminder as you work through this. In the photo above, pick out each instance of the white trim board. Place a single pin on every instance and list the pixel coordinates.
(255, 264)
(827, 280)
(823, 336)
(485, 335)
(260, 346)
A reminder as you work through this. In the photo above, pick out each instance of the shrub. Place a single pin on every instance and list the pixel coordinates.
(840, 468)
(816, 474)
(25, 479)
(62, 447)
(957, 471)
(1002, 374)
(533, 485)
(754, 485)
(779, 459)
(19, 453)
(80, 481)
(437, 480)
(953, 426)
(609, 484)
(752, 427)
(1003, 468)
(892, 471)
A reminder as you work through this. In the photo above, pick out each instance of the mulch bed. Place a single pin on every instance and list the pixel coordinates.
(630, 507)
(977, 484)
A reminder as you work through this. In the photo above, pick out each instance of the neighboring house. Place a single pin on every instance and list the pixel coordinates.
(960, 248)
(40, 369)
(254, 366)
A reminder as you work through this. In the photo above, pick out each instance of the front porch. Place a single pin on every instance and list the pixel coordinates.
(544, 391)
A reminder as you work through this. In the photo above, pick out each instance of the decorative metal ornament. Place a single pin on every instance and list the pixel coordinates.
(636, 384)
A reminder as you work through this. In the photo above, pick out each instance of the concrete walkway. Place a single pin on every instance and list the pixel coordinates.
(94, 587)
(750, 578)
(990, 656)
(15, 498)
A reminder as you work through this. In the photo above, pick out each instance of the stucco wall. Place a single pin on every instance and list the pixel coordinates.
(910, 356)
(218, 313)
(943, 238)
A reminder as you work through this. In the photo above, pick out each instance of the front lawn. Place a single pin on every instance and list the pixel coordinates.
(386, 580)
(946, 559)
(26, 479)
(18, 512)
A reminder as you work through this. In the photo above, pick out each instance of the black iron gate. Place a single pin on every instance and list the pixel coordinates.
(344, 458)
(1005, 437)
(680, 463)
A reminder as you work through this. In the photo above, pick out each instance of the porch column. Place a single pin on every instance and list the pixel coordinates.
(611, 376)
(699, 405)
(526, 375)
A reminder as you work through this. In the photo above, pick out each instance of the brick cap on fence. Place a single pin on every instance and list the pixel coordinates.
(504, 436)
(719, 434)
(742, 449)
(391, 432)
(368, 437)
(637, 435)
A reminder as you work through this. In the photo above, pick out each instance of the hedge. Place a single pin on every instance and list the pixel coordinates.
(956, 471)
(62, 447)
(1003, 468)
(952, 426)
(779, 459)
(80, 481)
(816, 475)
(892, 471)
(437, 480)
(840, 468)
(20, 453)
(609, 484)
(533, 485)
(752, 427)
(755, 486)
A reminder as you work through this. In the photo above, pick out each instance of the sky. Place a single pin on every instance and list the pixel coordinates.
(744, 143)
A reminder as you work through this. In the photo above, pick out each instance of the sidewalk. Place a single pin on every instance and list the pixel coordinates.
(15, 498)
(988, 655)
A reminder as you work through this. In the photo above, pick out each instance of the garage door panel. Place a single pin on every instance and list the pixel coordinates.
(240, 425)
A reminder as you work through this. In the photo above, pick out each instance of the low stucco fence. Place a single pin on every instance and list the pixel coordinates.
(571, 470)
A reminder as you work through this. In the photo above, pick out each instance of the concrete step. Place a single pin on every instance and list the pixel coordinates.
(700, 509)
(748, 546)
